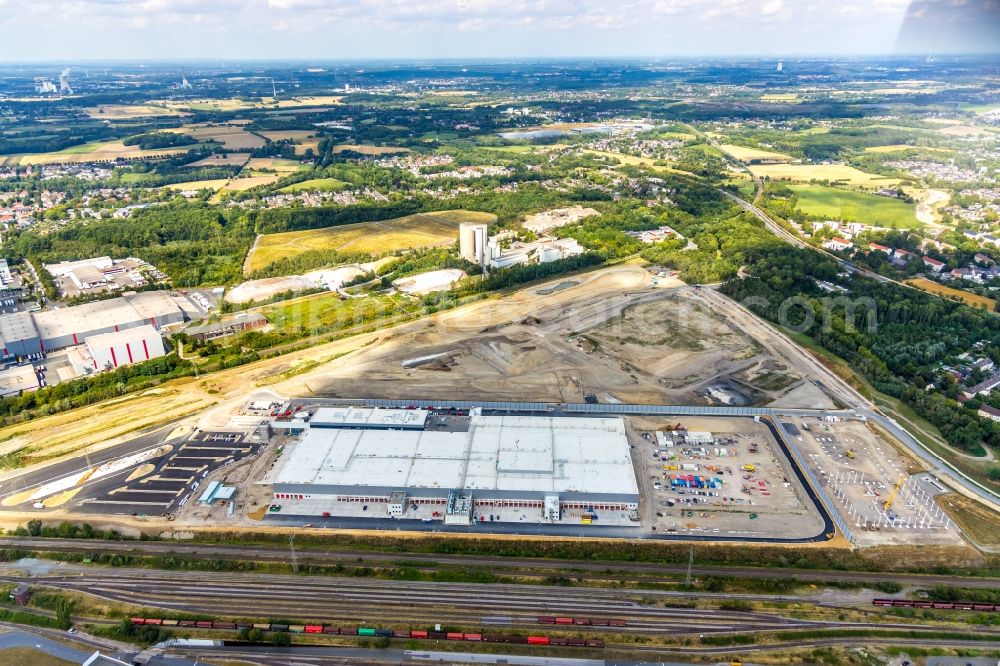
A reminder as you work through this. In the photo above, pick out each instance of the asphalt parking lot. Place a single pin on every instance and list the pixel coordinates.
(176, 478)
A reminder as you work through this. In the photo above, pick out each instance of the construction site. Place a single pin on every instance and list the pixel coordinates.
(618, 337)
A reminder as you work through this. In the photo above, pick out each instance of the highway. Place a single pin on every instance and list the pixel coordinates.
(520, 566)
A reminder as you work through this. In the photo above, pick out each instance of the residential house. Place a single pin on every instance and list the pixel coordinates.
(991, 413)
(872, 247)
(838, 244)
(934, 264)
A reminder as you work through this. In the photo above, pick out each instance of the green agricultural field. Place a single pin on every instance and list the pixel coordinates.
(315, 185)
(836, 204)
(329, 312)
(402, 233)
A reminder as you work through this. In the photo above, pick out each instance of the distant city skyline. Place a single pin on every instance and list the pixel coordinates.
(428, 29)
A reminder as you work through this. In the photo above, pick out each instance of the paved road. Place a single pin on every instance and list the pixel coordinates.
(20, 480)
(17, 638)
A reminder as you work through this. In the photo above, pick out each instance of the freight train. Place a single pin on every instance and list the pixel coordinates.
(944, 605)
(386, 633)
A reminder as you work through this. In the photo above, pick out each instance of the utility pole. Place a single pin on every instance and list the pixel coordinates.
(687, 581)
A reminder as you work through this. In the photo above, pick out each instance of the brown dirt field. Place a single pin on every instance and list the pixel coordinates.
(970, 299)
(977, 521)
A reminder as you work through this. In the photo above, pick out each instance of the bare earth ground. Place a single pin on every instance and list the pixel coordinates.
(501, 354)
(618, 340)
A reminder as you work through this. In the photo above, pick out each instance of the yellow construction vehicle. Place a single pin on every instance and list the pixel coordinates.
(852, 454)
(749, 468)
(735, 661)
(895, 491)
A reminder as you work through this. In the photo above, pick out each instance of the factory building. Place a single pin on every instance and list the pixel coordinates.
(539, 463)
(472, 239)
(132, 345)
(18, 335)
(72, 326)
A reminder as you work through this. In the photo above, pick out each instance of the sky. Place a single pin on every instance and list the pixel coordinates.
(72, 30)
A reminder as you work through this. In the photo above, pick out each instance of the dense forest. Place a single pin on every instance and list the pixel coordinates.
(897, 338)
(192, 242)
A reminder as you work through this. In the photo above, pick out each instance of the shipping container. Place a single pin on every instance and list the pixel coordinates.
(348, 631)
(517, 639)
(383, 633)
(437, 635)
(223, 625)
(615, 622)
(418, 634)
(558, 641)
(330, 629)
(455, 636)
(279, 627)
(201, 624)
(494, 638)
(170, 623)
(582, 620)
(366, 631)
(296, 629)
(138, 620)
(473, 637)
(546, 620)
(564, 620)
(402, 634)
(538, 640)
(577, 642)
(314, 629)
(263, 626)
(595, 642)
(189, 623)
(239, 625)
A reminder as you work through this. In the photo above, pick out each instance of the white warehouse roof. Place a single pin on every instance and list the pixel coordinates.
(523, 454)
(366, 417)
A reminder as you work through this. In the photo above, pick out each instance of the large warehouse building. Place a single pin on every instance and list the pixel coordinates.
(133, 345)
(72, 326)
(552, 463)
(18, 335)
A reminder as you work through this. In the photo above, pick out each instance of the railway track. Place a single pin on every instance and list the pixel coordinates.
(400, 603)
(611, 570)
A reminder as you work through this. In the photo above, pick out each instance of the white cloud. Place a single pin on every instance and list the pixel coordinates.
(424, 28)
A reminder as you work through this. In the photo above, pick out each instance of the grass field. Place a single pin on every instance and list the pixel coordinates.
(25, 656)
(316, 184)
(232, 138)
(127, 111)
(781, 97)
(744, 154)
(240, 184)
(837, 204)
(413, 231)
(970, 299)
(632, 160)
(900, 147)
(274, 164)
(829, 172)
(369, 150)
(90, 152)
(232, 159)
